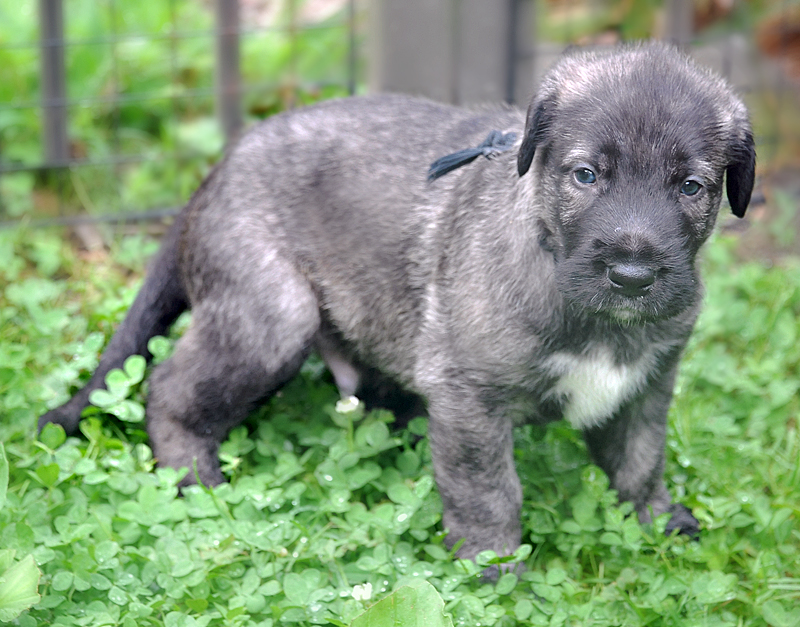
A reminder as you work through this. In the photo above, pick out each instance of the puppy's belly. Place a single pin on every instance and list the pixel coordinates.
(591, 387)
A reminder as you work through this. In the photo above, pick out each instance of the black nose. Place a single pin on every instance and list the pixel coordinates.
(631, 279)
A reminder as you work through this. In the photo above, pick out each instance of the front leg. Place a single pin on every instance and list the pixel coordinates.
(473, 463)
(630, 448)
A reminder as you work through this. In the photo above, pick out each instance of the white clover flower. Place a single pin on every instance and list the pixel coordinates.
(346, 405)
(362, 592)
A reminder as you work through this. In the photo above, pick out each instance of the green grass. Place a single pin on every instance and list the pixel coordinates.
(329, 510)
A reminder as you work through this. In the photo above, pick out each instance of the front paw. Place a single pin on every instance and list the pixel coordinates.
(492, 573)
(67, 415)
(491, 564)
(683, 521)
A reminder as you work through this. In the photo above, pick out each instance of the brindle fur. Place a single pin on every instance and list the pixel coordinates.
(492, 293)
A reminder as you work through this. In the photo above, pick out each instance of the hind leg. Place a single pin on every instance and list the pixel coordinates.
(243, 344)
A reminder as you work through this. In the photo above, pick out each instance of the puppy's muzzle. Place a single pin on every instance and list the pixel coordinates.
(630, 278)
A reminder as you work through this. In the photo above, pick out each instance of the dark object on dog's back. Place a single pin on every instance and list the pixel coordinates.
(490, 147)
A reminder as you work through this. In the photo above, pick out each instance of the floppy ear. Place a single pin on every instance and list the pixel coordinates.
(540, 115)
(741, 174)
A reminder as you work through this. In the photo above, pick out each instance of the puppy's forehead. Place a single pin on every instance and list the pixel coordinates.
(653, 72)
(582, 72)
(640, 104)
(633, 83)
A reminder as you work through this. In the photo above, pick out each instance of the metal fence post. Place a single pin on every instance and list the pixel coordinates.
(228, 76)
(51, 41)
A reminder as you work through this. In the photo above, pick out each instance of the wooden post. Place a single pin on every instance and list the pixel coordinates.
(460, 51)
(679, 26)
(228, 73)
(411, 47)
(54, 106)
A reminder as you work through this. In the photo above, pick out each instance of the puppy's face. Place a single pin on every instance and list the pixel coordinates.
(632, 155)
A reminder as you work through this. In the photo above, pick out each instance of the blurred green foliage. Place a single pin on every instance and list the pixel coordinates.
(141, 75)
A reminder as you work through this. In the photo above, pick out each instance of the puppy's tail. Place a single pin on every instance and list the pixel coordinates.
(160, 301)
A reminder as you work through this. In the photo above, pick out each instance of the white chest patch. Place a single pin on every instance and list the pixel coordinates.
(592, 386)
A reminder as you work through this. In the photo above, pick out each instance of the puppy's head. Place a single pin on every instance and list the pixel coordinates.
(630, 150)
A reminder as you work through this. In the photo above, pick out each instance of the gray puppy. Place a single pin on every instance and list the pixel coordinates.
(556, 280)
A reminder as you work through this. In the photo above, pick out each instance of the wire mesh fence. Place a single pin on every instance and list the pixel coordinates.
(116, 109)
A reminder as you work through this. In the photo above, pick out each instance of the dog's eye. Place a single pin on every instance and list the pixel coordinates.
(690, 187)
(585, 176)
